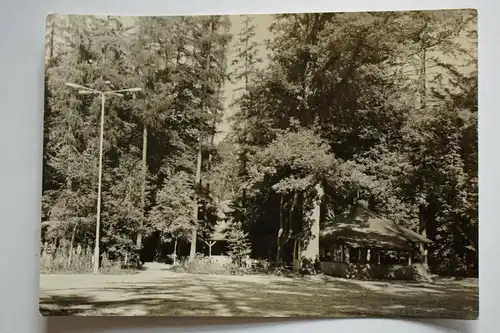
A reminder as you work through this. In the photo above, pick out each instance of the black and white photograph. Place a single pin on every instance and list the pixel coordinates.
(272, 165)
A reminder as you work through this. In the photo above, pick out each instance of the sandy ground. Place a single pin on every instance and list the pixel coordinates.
(158, 291)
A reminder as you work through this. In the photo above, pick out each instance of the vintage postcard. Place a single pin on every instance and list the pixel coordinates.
(288, 165)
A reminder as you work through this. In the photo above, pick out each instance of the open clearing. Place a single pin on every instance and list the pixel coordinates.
(164, 293)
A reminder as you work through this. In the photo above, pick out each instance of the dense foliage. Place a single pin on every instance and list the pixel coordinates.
(380, 108)
(151, 137)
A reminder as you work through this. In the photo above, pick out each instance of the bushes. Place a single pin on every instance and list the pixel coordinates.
(60, 262)
(260, 266)
(203, 265)
(80, 261)
(383, 272)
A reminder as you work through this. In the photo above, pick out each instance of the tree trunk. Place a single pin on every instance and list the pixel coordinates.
(212, 142)
(423, 79)
(56, 247)
(143, 189)
(192, 252)
(158, 250)
(286, 226)
(174, 254)
(280, 234)
(299, 254)
(423, 106)
(294, 254)
(244, 152)
(71, 244)
(291, 215)
(212, 135)
(423, 232)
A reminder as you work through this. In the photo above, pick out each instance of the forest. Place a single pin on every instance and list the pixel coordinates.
(380, 108)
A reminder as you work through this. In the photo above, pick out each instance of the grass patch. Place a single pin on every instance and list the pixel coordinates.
(61, 262)
(206, 295)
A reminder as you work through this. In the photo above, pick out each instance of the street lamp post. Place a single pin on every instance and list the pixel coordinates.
(88, 91)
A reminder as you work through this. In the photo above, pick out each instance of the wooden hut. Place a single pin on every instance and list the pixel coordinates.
(364, 241)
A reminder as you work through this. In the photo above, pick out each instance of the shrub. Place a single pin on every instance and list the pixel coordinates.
(260, 266)
(59, 262)
(203, 265)
(238, 243)
(402, 273)
(81, 262)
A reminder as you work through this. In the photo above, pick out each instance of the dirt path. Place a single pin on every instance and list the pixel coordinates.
(158, 291)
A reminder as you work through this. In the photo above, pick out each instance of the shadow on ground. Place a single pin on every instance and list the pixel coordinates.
(207, 295)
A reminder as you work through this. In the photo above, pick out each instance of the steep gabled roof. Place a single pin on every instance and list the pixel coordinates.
(367, 230)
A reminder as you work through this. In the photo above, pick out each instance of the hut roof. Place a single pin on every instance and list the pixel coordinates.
(367, 230)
